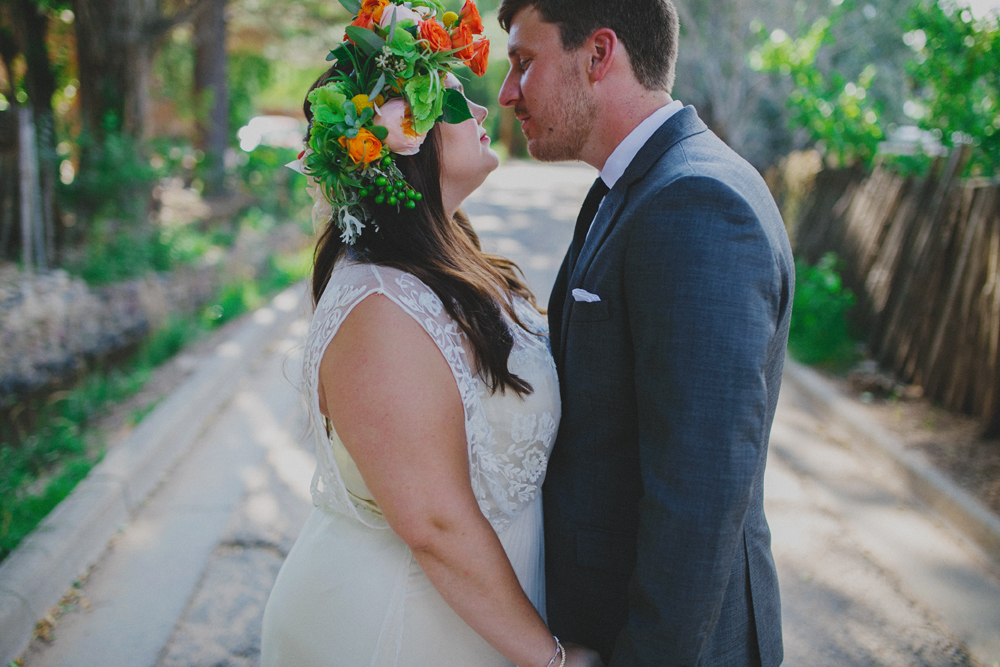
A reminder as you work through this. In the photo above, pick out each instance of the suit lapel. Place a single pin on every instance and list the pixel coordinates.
(681, 125)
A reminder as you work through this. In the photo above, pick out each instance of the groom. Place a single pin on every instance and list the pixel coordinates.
(669, 320)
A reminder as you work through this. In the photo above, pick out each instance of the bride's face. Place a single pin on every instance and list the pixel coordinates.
(466, 156)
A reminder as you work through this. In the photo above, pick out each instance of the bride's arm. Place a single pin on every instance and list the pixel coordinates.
(395, 405)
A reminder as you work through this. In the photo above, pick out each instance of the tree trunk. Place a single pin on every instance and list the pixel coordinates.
(114, 53)
(32, 26)
(31, 253)
(211, 91)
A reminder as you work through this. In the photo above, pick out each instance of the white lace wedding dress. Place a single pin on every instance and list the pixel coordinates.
(350, 593)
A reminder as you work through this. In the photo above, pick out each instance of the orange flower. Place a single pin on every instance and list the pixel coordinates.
(437, 37)
(481, 59)
(363, 20)
(471, 17)
(374, 8)
(461, 38)
(363, 148)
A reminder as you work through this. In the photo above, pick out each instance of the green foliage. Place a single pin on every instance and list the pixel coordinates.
(115, 178)
(956, 72)
(237, 297)
(41, 469)
(244, 294)
(19, 516)
(173, 74)
(249, 74)
(819, 330)
(279, 191)
(839, 115)
(286, 270)
(118, 251)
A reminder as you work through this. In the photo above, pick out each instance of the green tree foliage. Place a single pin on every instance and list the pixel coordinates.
(839, 115)
(249, 74)
(819, 332)
(956, 74)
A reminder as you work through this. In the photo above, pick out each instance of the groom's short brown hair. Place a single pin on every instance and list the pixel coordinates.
(647, 28)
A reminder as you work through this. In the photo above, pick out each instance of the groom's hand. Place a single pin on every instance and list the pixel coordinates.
(579, 656)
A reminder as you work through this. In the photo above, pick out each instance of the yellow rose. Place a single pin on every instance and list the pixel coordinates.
(363, 148)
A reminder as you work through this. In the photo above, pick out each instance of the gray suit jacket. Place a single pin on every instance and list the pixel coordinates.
(657, 549)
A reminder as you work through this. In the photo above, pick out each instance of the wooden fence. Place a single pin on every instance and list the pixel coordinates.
(923, 257)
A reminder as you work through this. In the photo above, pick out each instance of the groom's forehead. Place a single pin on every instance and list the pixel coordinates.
(529, 33)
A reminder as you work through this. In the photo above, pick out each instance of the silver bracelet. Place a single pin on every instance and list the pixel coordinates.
(559, 651)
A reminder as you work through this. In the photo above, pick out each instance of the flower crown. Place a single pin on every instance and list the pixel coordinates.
(387, 92)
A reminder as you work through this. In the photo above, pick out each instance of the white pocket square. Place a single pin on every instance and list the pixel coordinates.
(585, 296)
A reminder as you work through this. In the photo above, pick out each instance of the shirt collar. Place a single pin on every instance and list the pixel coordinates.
(622, 157)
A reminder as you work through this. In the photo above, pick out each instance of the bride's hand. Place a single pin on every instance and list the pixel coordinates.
(578, 656)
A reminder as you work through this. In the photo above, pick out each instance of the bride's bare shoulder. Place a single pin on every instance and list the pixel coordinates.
(380, 350)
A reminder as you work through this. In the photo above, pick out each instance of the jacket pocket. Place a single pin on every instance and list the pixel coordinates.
(581, 311)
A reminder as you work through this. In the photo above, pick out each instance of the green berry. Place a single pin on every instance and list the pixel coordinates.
(387, 161)
(393, 201)
(364, 192)
(381, 181)
(410, 194)
(380, 199)
(418, 197)
(410, 204)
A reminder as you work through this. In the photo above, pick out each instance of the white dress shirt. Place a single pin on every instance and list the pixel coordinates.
(622, 156)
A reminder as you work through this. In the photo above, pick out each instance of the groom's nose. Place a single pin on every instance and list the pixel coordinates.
(510, 91)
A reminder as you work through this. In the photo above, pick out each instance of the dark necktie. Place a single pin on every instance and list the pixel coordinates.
(557, 300)
(587, 214)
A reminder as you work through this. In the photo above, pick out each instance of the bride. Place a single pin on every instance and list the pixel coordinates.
(428, 377)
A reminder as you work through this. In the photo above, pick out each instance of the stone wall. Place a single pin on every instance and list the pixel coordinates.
(51, 323)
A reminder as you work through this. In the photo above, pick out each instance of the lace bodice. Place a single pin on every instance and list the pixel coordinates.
(509, 437)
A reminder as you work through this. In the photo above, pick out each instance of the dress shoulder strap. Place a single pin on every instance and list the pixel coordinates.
(350, 284)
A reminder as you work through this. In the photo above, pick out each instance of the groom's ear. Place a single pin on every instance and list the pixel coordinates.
(602, 48)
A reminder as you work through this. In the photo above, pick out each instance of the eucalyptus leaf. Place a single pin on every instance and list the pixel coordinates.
(353, 6)
(366, 115)
(366, 40)
(392, 28)
(456, 107)
(378, 87)
(351, 133)
(381, 133)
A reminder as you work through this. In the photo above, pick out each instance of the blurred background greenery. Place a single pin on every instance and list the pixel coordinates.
(133, 99)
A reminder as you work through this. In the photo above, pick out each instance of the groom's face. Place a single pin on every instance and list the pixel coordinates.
(548, 88)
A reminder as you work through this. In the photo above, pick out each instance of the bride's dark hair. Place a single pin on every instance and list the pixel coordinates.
(442, 251)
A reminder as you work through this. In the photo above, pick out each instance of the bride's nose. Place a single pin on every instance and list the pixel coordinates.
(478, 112)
